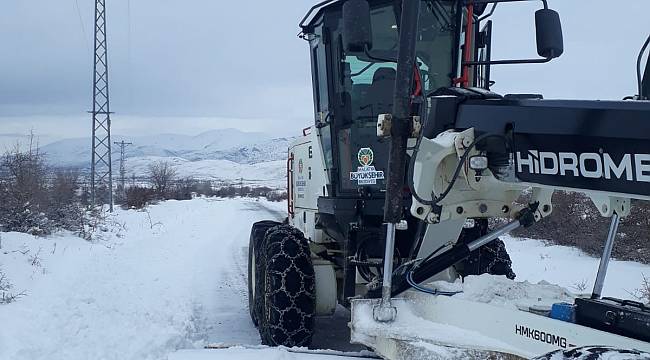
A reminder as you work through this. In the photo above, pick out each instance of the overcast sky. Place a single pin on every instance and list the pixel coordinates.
(193, 65)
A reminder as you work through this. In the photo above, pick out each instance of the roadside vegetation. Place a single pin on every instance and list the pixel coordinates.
(576, 222)
(37, 200)
(165, 184)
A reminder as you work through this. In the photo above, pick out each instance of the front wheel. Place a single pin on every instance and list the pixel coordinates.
(258, 230)
(289, 289)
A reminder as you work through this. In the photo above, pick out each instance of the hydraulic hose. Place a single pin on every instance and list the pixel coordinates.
(435, 200)
(638, 68)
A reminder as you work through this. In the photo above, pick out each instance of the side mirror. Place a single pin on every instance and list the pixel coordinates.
(550, 43)
(357, 31)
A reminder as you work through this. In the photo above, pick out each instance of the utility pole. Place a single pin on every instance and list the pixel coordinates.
(123, 146)
(101, 172)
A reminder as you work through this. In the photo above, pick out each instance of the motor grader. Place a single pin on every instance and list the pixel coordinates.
(410, 157)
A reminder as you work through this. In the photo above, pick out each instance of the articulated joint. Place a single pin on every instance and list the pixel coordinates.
(527, 217)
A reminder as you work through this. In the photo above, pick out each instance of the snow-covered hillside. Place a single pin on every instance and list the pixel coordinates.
(225, 155)
(223, 144)
(269, 173)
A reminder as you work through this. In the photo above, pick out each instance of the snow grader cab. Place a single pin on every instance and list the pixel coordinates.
(410, 156)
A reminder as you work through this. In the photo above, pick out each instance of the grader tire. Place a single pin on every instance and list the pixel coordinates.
(289, 289)
(255, 278)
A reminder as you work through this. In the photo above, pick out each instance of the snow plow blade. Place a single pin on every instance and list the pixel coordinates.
(252, 352)
(413, 337)
(442, 327)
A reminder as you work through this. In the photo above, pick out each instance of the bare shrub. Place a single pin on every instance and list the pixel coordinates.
(6, 296)
(204, 188)
(227, 191)
(161, 175)
(63, 189)
(5, 285)
(64, 207)
(182, 189)
(23, 191)
(643, 292)
(231, 191)
(276, 195)
(580, 286)
(258, 191)
(35, 259)
(138, 197)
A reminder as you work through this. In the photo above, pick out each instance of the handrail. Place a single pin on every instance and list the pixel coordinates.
(314, 8)
(290, 209)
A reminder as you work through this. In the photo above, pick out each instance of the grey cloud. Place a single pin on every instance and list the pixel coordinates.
(242, 59)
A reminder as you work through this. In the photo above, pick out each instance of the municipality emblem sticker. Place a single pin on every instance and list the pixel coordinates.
(365, 156)
(366, 174)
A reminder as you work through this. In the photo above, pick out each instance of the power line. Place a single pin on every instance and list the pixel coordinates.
(128, 53)
(81, 22)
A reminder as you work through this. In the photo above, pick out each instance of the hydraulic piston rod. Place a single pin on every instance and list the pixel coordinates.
(400, 129)
(435, 265)
(605, 258)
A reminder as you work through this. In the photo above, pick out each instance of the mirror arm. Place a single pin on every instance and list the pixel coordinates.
(504, 62)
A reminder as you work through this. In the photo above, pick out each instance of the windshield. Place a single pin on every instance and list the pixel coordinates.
(368, 79)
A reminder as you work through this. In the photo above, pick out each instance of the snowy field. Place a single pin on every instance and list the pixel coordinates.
(174, 277)
(535, 261)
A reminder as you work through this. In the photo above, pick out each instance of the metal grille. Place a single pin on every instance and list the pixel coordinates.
(101, 169)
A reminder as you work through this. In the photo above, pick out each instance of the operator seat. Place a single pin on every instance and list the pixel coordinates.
(379, 98)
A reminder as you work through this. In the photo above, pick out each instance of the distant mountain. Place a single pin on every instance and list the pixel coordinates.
(261, 151)
(224, 144)
(271, 173)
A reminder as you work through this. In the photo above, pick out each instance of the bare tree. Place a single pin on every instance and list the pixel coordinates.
(23, 191)
(64, 187)
(161, 174)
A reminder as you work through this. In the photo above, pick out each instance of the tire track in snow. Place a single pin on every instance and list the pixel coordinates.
(227, 320)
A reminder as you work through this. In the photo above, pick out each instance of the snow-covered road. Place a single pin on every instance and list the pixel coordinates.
(168, 279)
(173, 277)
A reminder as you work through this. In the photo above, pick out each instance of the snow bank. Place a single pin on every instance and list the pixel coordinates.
(536, 261)
(503, 292)
(498, 290)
